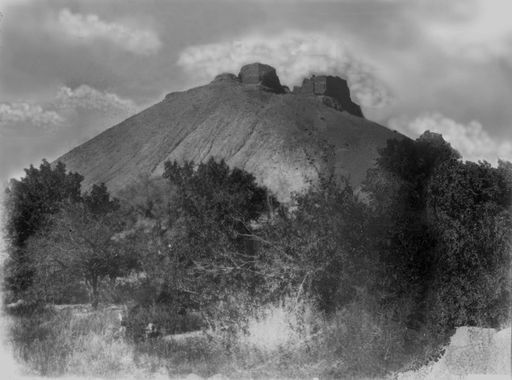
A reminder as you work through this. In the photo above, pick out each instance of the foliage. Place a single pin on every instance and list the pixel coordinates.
(469, 210)
(99, 202)
(37, 195)
(170, 319)
(193, 235)
(377, 281)
(230, 197)
(147, 200)
(81, 245)
(441, 233)
(413, 162)
(58, 342)
(146, 205)
(321, 249)
(30, 202)
(402, 234)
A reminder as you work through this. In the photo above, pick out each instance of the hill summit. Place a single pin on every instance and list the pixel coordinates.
(286, 139)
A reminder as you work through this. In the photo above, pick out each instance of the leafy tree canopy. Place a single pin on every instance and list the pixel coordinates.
(35, 196)
(98, 201)
(231, 197)
(469, 211)
(410, 163)
(30, 202)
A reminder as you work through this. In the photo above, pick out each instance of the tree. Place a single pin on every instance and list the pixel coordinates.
(408, 164)
(148, 199)
(442, 230)
(83, 242)
(203, 246)
(230, 197)
(146, 204)
(397, 191)
(215, 207)
(469, 210)
(30, 203)
(321, 248)
(401, 231)
(98, 200)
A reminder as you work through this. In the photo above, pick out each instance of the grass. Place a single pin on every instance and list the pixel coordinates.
(54, 343)
(289, 340)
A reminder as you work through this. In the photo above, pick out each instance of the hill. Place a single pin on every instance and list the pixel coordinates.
(284, 138)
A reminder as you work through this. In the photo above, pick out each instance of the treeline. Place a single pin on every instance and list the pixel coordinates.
(423, 248)
(60, 239)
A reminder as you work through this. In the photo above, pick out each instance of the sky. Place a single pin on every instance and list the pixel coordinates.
(71, 69)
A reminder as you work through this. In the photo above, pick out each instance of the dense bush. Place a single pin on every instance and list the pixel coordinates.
(386, 274)
(202, 246)
(169, 319)
(321, 249)
(442, 234)
(73, 341)
(80, 246)
(29, 203)
(469, 210)
(61, 243)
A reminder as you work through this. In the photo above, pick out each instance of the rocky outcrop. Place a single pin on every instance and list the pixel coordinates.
(260, 74)
(333, 90)
(225, 77)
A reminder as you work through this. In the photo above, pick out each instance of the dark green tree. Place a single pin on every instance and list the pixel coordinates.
(442, 230)
(408, 165)
(321, 249)
(401, 232)
(83, 242)
(202, 247)
(469, 211)
(397, 192)
(98, 200)
(230, 197)
(30, 202)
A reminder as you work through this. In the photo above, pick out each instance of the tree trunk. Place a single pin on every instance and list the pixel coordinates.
(95, 295)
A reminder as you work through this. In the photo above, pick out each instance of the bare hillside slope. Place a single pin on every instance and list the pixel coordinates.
(284, 138)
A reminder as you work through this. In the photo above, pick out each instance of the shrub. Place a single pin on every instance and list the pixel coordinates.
(29, 203)
(73, 341)
(322, 249)
(169, 319)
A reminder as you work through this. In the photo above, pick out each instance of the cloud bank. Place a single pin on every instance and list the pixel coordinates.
(63, 108)
(30, 131)
(295, 55)
(21, 113)
(85, 97)
(90, 28)
(471, 140)
(481, 32)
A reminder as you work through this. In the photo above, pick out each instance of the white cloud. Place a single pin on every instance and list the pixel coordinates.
(482, 31)
(63, 110)
(471, 140)
(85, 97)
(22, 113)
(90, 28)
(294, 54)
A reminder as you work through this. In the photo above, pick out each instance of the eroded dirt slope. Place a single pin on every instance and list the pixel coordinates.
(285, 139)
